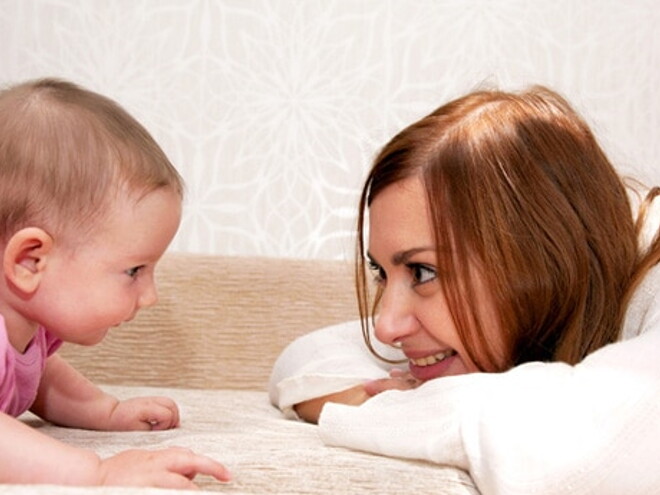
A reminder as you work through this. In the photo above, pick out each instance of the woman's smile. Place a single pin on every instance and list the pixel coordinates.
(433, 365)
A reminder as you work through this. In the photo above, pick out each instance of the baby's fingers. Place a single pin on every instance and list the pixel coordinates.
(188, 464)
(162, 414)
(174, 467)
(145, 413)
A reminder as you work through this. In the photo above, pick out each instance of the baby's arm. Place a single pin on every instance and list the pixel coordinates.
(67, 398)
(28, 456)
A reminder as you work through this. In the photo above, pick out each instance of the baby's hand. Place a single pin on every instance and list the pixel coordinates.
(398, 380)
(174, 467)
(144, 413)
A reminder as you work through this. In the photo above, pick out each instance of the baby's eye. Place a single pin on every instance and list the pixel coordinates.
(133, 272)
(422, 273)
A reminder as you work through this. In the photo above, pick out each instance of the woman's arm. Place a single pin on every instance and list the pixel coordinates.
(539, 428)
(310, 410)
(331, 364)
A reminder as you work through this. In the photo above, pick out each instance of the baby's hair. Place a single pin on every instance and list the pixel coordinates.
(65, 152)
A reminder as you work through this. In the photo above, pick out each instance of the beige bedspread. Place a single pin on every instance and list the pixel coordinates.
(266, 453)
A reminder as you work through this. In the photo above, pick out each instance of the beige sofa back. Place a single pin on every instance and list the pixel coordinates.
(220, 322)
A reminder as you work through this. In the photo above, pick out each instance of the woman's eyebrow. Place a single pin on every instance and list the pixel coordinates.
(403, 257)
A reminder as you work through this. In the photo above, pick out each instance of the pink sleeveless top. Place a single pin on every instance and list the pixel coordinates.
(20, 374)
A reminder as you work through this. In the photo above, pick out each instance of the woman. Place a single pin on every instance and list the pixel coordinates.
(507, 263)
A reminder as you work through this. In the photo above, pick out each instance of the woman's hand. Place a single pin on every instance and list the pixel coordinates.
(398, 380)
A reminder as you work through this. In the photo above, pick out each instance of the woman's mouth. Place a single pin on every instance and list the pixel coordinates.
(431, 366)
(433, 359)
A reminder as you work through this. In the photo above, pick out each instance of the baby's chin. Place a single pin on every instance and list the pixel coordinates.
(91, 338)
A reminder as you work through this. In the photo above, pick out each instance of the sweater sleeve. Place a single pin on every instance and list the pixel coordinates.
(323, 362)
(540, 428)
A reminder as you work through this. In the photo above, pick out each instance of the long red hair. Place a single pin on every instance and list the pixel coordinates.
(519, 188)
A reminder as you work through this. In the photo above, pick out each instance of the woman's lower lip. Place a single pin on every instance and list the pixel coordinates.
(429, 372)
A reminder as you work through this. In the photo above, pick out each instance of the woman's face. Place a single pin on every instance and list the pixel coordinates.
(413, 312)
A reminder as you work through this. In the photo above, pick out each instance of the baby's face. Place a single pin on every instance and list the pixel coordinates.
(88, 290)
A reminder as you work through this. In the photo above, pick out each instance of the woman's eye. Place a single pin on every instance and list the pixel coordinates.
(378, 272)
(422, 273)
(133, 272)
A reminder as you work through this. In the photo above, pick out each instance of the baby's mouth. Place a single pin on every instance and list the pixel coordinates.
(433, 358)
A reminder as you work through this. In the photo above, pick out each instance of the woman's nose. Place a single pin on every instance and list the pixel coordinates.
(396, 318)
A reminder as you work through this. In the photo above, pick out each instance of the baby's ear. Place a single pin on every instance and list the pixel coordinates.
(25, 258)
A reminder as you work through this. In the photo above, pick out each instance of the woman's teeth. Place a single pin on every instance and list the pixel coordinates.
(433, 359)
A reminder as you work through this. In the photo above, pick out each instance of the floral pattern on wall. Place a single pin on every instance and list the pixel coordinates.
(273, 109)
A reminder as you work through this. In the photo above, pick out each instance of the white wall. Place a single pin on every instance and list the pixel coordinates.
(273, 109)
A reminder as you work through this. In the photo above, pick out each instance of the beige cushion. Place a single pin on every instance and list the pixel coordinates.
(220, 322)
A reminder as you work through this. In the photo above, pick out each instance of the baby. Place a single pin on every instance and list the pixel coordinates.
(88, 204)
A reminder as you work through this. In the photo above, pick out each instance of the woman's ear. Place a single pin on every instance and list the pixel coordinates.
(25, 258)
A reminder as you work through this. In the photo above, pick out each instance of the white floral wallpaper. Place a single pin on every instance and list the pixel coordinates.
(273, 109)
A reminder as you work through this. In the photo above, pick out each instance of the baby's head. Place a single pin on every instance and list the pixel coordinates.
(67, 154)
(88, 205)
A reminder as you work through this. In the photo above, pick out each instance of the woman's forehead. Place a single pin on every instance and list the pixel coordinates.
(399, 219)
